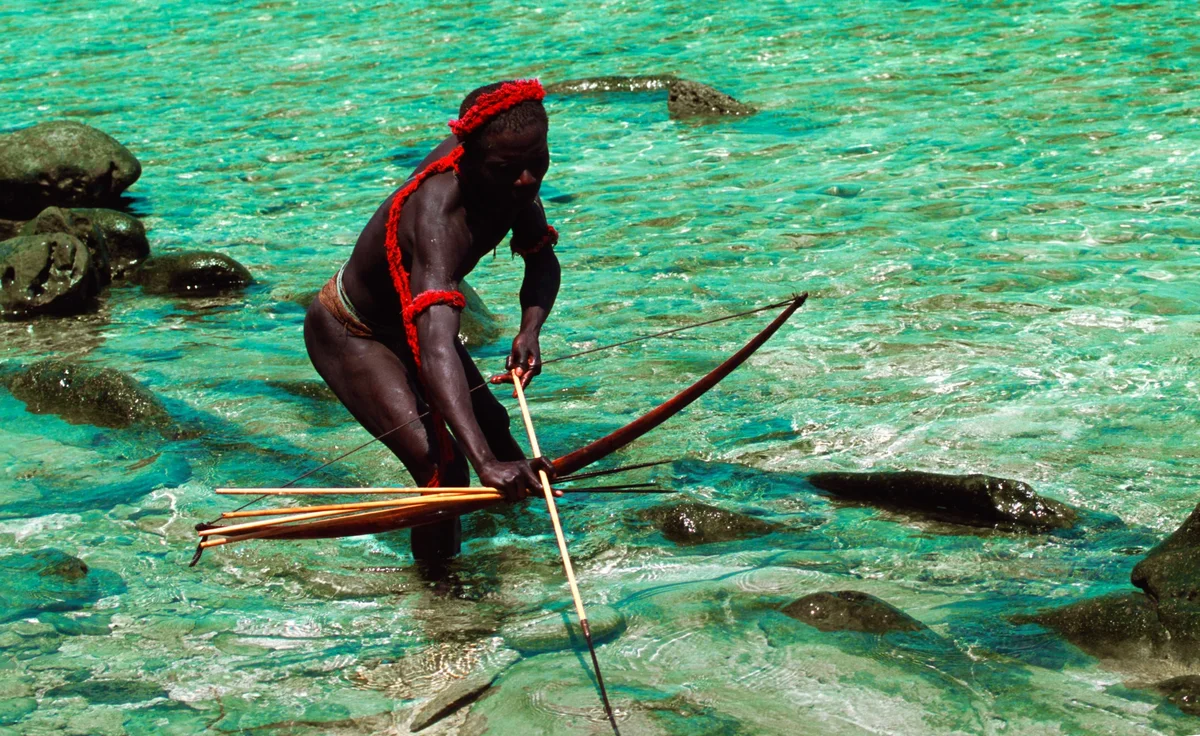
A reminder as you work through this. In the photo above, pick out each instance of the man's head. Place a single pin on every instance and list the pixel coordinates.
(506, 157)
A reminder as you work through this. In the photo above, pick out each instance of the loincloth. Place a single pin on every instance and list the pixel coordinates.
(333, 297)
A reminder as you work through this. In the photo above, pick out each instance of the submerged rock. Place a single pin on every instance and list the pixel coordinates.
(973, 500)
(13, 710)
(192, 274)
(50, 580)
(452, 699)
(700, 523)
(557, 631)
(109, 692)
(680, 716)
(1110, 627)
(691, 99)
(477, 325)
(123, 234)
(46, 274)
(84, 394)
(685, 98)
(62, 163)
(1183, 692)
(59, 220)
(850, 610)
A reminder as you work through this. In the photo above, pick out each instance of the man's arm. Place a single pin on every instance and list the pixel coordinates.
(539, 289)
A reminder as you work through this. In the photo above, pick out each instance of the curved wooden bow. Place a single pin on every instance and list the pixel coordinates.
(386, 520)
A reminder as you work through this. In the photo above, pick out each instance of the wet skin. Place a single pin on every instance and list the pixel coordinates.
(445, 228)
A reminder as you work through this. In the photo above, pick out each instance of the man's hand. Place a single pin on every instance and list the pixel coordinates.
(515, 479)
(525, 359)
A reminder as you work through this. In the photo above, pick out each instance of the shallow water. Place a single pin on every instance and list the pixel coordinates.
(1005, 292)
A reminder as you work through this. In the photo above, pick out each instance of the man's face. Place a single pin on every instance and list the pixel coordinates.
(513, 164)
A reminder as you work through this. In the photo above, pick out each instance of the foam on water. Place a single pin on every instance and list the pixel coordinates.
(993, 205)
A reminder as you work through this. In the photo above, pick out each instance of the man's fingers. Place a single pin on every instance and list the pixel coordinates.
(501, 378)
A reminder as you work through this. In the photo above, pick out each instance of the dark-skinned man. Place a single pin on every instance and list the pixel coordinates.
(384, 332)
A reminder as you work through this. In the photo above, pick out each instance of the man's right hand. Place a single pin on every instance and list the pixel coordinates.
(515, 479)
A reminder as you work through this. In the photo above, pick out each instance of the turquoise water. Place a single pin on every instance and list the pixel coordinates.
(1010, 291)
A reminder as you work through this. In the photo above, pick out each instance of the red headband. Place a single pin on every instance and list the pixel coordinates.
(491, 104)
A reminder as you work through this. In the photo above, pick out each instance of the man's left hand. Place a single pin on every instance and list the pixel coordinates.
(525, 359)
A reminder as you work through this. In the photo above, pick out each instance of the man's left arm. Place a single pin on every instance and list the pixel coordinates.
(534, 240)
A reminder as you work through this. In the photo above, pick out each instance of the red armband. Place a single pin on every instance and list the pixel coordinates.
(427, 299)
(549, 240)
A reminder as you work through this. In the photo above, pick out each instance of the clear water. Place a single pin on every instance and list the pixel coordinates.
(1012, 291)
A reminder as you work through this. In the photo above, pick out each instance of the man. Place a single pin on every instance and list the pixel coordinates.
(384, 332)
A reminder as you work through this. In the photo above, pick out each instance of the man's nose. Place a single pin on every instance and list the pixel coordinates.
(526, 179)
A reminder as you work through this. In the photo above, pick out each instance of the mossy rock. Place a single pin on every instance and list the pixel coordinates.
(59, 220)
(1171, 570)
(971, 500)
(477, 325)
(699, 523)
(64, 164)
(1110, 627)
(124, 235)
(558, 631)
(850, 610)
(84, 394)
(687, 99)
(1183, 692)
(192, 274)
(50, 273)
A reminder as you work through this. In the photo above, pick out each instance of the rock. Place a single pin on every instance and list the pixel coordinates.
(679, 715)
(1183, 692)
(45, 274)
(1170, 570)
(700, 523)
(557, 631)
(477, 325)
(691, 99)
(973, 500)
(1110, 627)
(50, 580)
(14, 709)
(850, 610)
(109, 692)
(452, 699)
(845, 191)
(597, 85)
(192, 274)
(84, 394)
(124, 235)
(59, 220)
(62, 163)
(10, 228)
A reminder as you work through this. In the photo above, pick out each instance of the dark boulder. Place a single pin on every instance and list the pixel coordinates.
(62, 163)
(124, 235)
(1183, 692)
(972, 500)
(84, 394)
(850, 610)
(50, 580)
(1110, 627)
(687, 99)
(192, 274)
(46, 274)
(1171, 570)
(700, 523)
(59, 220)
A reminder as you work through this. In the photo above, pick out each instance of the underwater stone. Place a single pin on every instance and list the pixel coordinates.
(1109, 627)
(50, 580)
(45, 274)
(109, 692)
(62, 163)
(1171, 570)
(973, 500)
(557, 631)
(679, 715)
(850, 610)
(477, 324)
(687, 99)
(1183, 692)
(14, 709)
(700, 523)
(123, 234)
(192, 274)
(10, 228)
(59, 220)
(84, 394)
(452, 699)
(596, 85)
(845, 191)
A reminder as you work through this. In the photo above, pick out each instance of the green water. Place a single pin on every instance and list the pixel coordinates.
(1008, 292)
